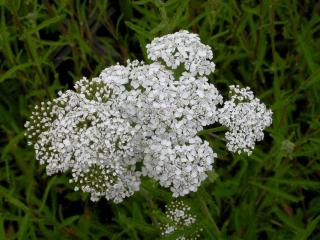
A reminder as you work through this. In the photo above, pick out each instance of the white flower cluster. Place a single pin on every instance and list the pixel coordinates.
(143, 113)
(246, 119)
(179, 215)
(83, 132)
(182, 48)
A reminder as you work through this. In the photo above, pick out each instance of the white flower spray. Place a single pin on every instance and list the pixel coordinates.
(144, 113)
(179, 217)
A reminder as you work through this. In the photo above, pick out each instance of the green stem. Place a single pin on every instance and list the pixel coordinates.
(212, 130)
(207, 213)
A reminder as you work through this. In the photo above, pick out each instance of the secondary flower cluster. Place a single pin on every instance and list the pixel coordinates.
(143, 114)
(246, 119)
(180, 217)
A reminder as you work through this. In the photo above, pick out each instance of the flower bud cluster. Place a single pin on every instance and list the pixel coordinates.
(143, 113)
(86, 136)
(179, 215)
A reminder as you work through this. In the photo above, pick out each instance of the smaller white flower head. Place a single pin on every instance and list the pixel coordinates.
(185, 48)
(179, 216)
(180, 165)
(246, 117)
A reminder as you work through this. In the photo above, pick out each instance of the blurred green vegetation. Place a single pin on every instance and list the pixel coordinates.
(273, 46)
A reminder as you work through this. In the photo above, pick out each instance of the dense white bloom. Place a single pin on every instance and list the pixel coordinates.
(182, 166)
(144, 113)
(85, 133)
(179, 216)
(246, 117)
(171, 113)
(182, 48)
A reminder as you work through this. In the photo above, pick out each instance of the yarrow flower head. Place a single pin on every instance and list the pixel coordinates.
(182, 48)
(246, 119)
(180, 217)
(144, 114)
(180, 166)
(85, 134)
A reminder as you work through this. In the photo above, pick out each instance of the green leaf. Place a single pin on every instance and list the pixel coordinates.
(311, 227)
(277, 192)
(13, 200)
(45, 24)
(11, 73)
(296, 182)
